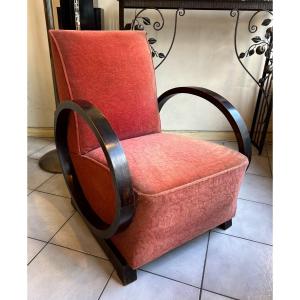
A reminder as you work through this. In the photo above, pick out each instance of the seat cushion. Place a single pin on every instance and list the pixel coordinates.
(183, 188)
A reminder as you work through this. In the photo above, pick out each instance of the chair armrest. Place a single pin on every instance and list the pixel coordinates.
(116, 160)
(229, 111)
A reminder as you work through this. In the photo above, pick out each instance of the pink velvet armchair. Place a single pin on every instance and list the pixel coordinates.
(141, 192)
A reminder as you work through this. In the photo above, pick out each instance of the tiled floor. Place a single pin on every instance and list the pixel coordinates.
(65, 261)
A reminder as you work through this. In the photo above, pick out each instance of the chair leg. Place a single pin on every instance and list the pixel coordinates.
(226, 225)
(124, 271)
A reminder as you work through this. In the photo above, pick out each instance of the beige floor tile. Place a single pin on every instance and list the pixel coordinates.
(55, 185)
(238, 268)
(252, 221)
(28, 191)
(38, 154)
(46, 214)
(257, 188)
(59, 273)
(76, 235)
(184, 263)
(259, 166)
(35, 175)
(149, 287)
(33, 247)
(35, 144)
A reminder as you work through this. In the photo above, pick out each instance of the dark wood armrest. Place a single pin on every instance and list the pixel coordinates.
(229, 111)
(116, 160)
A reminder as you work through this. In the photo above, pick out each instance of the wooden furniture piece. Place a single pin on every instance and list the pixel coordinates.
(141, 192)
(91, 18)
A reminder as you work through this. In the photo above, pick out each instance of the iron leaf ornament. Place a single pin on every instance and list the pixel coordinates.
(141, 22)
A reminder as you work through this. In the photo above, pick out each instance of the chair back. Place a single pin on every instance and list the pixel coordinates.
(114, 71)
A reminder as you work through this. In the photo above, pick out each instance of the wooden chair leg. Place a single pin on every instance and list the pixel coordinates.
(124, 271)
(226, 225)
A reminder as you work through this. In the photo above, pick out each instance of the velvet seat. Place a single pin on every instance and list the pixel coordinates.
(186, 194)
(142, 192)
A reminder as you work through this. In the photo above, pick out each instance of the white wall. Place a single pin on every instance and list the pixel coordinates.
(40, 95)
(203, 55)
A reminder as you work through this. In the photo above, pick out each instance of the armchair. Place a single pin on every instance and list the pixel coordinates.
(141, 192)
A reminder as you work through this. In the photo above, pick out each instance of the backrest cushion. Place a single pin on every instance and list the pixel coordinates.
(114, 71)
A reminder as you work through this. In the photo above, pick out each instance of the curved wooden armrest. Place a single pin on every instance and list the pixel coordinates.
(116, 160)
(229, 111)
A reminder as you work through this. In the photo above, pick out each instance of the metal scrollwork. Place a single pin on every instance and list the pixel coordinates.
(262, 45)
(141, 22)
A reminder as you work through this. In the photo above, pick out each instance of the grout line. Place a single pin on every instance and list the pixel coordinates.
(37, 254)
(202, 279)
(106, 283)
(76, 250)
(220, 294)
(31, 191)
(35, 189)
(266, 244)
(32, 238)
(255, 201)
(258, 174)
(53, 194)
(51, 238)
(166, 277)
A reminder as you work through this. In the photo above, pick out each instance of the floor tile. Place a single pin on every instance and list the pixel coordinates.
(234, 146)
(238, 268)
(76, 235)
(259, 166)
(256, 188)
(212, 296)
(28, 191)
(46, 214)
(149, 287)
(35, 175)
(59, 273)
(38, 154)
(55, 185)
(33, 247)
(252, 221)
(184, 264)
(35, 144)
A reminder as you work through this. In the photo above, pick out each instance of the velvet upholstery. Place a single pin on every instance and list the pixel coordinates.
(183, 187)
(114, 71)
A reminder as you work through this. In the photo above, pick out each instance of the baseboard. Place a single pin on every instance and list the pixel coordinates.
(204, 135)
(43, 132)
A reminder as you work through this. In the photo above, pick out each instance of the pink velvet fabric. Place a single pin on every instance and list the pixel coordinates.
(183, 188)
(114, 71)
